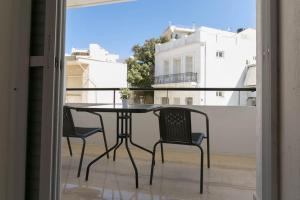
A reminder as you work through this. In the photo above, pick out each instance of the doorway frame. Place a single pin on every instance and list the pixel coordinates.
(267, 160)
(267, 103)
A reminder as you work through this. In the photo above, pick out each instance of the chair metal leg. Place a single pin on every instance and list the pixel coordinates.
(162, 153)
(201, 170)
(115, 150)
(104, 135)
(69, 145)
(208, 154)
(153, 161)
(133, 163)
(105, 153)
(81, 157)
(105, 143)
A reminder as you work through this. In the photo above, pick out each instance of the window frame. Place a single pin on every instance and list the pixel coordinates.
(192, 63)
(175, 67)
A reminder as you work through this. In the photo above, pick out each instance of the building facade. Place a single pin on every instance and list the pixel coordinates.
(94, 68)
(204, 58)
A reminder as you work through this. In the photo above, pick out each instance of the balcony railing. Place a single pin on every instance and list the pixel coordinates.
(176, 78)
(114, 91)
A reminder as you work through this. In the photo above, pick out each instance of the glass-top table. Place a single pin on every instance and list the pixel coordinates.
(124, 128)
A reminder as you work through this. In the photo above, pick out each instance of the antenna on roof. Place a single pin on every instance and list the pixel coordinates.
(170, 23)
(194, 25)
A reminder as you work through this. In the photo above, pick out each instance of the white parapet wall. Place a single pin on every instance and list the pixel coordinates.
(232, 128)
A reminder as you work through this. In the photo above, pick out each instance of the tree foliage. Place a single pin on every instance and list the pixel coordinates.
(141, 65)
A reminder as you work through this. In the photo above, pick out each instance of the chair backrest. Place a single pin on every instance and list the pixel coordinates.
(68, 123)
(175, 125)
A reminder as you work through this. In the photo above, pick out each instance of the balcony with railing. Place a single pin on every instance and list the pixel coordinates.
(176, 78)
(233, 147)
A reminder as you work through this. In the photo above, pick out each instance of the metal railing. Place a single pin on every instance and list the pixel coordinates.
(167, 90)
(176, 78)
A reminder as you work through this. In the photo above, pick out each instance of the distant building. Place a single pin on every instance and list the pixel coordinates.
(204, 57)
(94, 68)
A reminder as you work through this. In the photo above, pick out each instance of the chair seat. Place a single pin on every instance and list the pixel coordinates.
(197, 138)
(85, 132)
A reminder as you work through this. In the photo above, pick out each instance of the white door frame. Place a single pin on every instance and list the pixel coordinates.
(267, 100)
(52, 100)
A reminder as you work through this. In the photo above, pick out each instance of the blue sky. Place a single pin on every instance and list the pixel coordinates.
(117, 27)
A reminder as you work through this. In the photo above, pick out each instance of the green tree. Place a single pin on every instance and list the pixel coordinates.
(141, 65)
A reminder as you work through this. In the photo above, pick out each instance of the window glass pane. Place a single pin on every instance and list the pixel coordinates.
(189, 101)
(220, 93)
(166, 67)
(164, 100)
(220, 54)
(177, 65)
(189, 64)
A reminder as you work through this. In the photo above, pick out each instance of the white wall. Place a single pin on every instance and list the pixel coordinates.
(289, 107)
(182, 95)
(233, 129)
(105, 75)
(229, 71)
(212, 71)
(14, 60)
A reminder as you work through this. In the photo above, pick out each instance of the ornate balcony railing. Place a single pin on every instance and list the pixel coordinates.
(176, 78)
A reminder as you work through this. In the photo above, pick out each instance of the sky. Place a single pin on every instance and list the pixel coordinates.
(118, 27)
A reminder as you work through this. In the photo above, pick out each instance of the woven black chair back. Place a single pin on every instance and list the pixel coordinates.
(175, 125)
(68, 123)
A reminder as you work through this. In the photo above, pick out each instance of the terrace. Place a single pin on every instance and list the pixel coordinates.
(233, 167)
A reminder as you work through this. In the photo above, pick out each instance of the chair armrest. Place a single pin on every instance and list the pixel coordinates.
(206, 120)
(155, 112)
(100, 118)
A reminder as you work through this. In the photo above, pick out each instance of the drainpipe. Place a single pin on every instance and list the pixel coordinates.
(204, 72)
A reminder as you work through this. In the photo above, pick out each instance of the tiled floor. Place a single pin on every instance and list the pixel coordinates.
(230, 178)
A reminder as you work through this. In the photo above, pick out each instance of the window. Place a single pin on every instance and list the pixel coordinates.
(177, 65)
(189, 64)
(176, 101)
(220, 54)
(164, 100)
(220, 93)
(189, 100)
(166, 67)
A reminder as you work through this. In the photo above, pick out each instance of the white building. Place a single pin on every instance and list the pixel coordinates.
(94, 68)
(206, 58)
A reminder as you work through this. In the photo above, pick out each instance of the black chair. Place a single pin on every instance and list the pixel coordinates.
(70, 131)
(176, 128)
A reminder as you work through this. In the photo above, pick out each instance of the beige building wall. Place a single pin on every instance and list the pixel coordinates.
(76, 77)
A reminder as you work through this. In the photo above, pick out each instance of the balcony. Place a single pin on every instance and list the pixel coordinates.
(176, 78)
(231, 176)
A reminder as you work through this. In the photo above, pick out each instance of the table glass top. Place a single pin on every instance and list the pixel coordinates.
(118, 107)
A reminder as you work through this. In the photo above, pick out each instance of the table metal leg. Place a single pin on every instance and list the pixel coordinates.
(124, 132)
(131, 141)
(133, 163)
(95, 160)
(106, 153)
(127, 133)
(114, 158)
